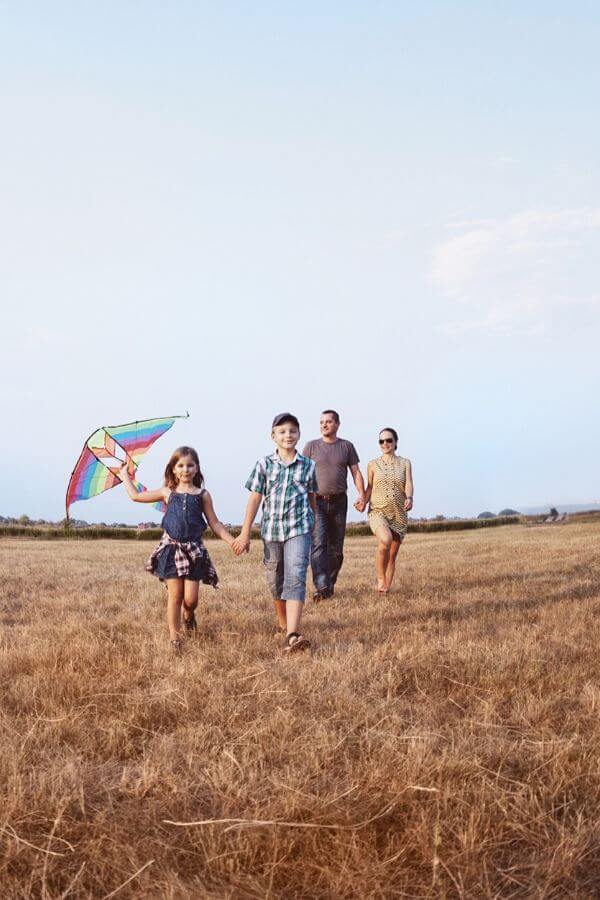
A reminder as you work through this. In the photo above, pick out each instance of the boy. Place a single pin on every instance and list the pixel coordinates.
(286, 484)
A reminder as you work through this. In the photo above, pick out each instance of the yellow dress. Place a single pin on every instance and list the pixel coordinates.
(388, 495)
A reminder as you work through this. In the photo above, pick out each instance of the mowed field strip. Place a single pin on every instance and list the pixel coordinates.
(443, 741)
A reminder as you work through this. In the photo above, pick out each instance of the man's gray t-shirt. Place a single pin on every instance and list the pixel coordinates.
(332, 463)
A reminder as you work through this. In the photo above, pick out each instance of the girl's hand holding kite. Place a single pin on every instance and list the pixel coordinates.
(160, 494)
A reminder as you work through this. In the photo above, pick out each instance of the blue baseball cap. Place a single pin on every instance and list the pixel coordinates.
(285, 417)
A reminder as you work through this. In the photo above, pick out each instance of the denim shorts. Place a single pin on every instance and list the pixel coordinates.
(286, 564)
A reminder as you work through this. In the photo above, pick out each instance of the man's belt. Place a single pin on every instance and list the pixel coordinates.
(331, 496)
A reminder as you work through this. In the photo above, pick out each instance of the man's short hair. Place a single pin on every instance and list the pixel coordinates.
(331, 412)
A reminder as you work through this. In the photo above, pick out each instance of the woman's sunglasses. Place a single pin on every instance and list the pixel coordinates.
(386, 440)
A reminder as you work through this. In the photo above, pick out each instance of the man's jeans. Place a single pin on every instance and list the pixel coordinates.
(286, 564)
(327, 552)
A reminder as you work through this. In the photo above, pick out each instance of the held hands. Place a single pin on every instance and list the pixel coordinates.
(240, 545)
(360, 505)
(408, 504)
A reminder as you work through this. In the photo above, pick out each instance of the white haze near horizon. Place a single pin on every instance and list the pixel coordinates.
(238, 210)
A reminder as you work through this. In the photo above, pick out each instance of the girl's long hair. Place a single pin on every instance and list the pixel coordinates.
(170, 480)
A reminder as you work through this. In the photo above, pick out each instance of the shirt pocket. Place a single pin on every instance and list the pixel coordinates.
(272, 478)
(299, 483)
(271, 483)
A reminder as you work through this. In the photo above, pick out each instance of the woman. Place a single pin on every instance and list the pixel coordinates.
(390, 497)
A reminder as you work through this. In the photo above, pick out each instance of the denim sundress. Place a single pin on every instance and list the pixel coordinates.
(181, 553)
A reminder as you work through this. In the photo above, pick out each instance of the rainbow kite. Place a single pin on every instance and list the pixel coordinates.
(106, 450)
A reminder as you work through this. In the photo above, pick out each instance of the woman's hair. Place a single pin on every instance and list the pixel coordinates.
(393, 432)
(170, 480)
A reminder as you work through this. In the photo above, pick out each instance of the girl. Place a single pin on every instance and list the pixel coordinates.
(390, 497)
(181, 559)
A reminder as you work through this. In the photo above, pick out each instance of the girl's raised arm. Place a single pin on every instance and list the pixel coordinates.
(146, 496)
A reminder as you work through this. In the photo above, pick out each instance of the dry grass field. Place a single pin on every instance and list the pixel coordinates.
(441, 742)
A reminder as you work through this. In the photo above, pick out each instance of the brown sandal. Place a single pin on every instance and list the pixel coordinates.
(295, 642)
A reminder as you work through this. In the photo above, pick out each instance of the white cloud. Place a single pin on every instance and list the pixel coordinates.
(522, 272)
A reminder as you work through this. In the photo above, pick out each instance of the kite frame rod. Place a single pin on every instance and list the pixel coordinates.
(106, 427)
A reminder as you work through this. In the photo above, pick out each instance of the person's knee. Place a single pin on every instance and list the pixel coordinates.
(295, 581)
(319, 540)
(274, 579)
(296, 566)
(294, 588)
(385, 542)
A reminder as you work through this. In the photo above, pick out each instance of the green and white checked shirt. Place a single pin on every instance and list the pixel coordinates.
(286, 510)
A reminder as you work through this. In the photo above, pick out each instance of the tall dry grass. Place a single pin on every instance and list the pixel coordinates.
(441, 742)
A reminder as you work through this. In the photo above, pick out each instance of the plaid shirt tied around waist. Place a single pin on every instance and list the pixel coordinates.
(285, 488)
(186, 553)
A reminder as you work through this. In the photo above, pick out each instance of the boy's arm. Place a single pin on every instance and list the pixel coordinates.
(312, 499)
(145, 496)
(242, 542)
(257, 485)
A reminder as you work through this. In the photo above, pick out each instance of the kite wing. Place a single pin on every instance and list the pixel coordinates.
(106, 450)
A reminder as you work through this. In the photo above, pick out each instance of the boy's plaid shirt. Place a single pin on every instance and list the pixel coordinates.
(286, 510)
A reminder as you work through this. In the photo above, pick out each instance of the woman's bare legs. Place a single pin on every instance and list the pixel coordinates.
(175, 590)
(382, 555)
(390, 569)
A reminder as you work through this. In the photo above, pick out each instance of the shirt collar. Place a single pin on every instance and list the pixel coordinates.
(276, 458)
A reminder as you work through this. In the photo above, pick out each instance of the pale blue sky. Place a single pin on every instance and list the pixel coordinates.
(239, 208)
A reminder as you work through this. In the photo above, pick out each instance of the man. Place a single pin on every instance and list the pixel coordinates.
(333, 456)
